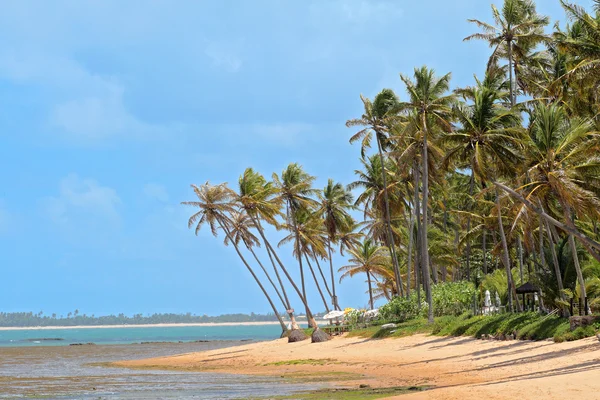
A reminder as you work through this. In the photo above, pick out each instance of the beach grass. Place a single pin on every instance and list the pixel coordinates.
(309, 361)
(353, 394)
(523, 326)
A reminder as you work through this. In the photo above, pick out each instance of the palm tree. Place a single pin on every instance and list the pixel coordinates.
(431, 106)
(367, 258)
(335, 201)
(257, 197)
(214, 202)
(377, 118)
(564, 167)
(295, 190)
(518, 28)
(487, 143)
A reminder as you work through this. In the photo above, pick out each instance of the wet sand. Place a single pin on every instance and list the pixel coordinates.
(457, 368)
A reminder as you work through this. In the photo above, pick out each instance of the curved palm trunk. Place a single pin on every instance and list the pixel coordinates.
(317, 283)
(468, 250)
(311, 320)
(388, 221)
(520, 250)
(571, 224)
(322, 275)
(559, 280)
(510, 73)
(424, 240)
(267, 275)
(418, 260)
(308, 313)
(271, 253)
(334, 299)
(370, 290)
(281, 322)
(506, 257)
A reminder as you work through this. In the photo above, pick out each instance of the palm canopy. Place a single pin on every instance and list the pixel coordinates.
(308, 234)
(336, 200)
(258, 197)
(563, 160)
(488, 138)
(239, 224)
(294, 188)
(214, 201)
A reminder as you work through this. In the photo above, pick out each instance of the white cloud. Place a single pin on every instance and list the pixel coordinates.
(224, 55)
(81, 199)
(156, 191)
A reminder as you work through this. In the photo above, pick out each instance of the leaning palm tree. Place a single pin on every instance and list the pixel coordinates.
(257, 197)
(214, 202)
(368, 258)
(294, 189)
(431, 105)
(335, 203)
(518, 28)
(378, 117)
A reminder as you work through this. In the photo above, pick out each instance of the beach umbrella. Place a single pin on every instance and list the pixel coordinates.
(333, 315)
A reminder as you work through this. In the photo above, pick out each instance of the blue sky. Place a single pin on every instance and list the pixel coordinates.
(110, 109)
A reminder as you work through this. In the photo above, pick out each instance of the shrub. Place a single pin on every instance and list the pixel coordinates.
(580, 333)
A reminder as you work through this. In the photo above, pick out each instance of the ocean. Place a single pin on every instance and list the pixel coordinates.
(34, 364)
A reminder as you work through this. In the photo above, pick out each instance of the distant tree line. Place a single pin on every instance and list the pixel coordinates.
(29, 319)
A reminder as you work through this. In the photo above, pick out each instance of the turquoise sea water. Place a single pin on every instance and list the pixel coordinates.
(52, 369)
(39, 337)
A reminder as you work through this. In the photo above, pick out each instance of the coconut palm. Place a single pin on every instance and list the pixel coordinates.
(377, 118)
(431, 105)
(518, 28)
(214, 202)
(564, 166)
(335, 203)
(369, 259)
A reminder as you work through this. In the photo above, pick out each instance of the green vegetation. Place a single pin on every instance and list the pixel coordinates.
(524, 326)
(353, 394)
(23, 319)
(488, 186)
(309, 361)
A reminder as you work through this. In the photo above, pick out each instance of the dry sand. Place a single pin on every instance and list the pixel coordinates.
(458, 368)
(136, 326)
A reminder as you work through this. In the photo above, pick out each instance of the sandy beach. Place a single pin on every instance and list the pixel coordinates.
(136, 326)
(456, 368)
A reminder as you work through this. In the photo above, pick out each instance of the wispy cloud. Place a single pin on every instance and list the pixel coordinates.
(156, 192)
(82, 199)
(224, 55)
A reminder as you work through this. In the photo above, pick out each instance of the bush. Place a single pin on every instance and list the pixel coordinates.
(450, 298)
(580, 333)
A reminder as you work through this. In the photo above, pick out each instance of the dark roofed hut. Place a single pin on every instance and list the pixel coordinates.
(528, 288)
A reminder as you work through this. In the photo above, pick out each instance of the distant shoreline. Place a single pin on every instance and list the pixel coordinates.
(27, 328)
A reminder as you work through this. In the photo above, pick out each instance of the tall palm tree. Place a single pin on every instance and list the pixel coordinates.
(257, 197)
(377, 118)
(487, 143)
(432, 106)
(518, 28)
(335, 203)
(214, 202)
(294, 189)
(368, 258)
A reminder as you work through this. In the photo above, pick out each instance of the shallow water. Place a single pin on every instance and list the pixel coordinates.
(69, 372)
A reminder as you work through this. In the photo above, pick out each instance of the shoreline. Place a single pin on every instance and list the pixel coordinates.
(453, 368)
(166, 325)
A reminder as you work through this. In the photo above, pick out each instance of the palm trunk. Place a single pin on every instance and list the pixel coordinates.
(370, 289)
(334, 299)
(510, 72)
(308, 313)
(520, 250)
(471, 190)
(484, 250)
(424, 240)
(267, 275)
(272, 254)
(571, 224)
(316, 282)
(322, 276)
(281, 322)
(417, 211)
(505, 254)
(411, 228)
(388, 221)
(557, 272)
